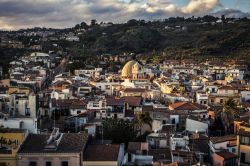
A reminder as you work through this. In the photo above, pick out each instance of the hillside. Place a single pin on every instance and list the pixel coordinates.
(173, 38)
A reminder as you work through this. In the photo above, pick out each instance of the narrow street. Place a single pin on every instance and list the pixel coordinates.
(59, 69)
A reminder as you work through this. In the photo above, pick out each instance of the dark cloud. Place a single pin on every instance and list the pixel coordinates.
(13, 8)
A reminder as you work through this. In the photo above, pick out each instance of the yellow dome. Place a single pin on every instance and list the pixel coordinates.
(137, 66)
(127, 69)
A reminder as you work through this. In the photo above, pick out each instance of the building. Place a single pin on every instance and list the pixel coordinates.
(225, 158)
(19, 122)
(223, 94)
(92, 73)
(202, 97)
(194, 124)
(26, 105)
(132, 70)
(62, 149)
(137, 154)
(10, 142)
(194, 109)
(115, 108)
(104, 155)
(1, 71)
(223, 145)
(243, 141)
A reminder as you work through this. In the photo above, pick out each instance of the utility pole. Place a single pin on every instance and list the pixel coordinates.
(102, 134)
(54, 118)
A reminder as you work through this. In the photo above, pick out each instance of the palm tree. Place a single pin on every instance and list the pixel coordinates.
(143, 118)
(230, 112)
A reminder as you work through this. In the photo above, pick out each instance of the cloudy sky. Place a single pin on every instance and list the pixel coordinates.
(16, 14)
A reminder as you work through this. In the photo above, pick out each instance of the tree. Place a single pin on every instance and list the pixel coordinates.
(143, 118)
(84, 25)
(118, 130)
(229, 112)
(93, 22)
(77, 26)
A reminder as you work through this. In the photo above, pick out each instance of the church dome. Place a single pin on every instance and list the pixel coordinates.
(127, 69)
(136, 66)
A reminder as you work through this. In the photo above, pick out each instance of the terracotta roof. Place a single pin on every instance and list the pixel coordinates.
(147, 108)
(113, 101)
(70, 143)
(101, 152)
(132, 100)
(167, 128)
(226, 155)
(243, 132)
(187, 106)
(158, 154)
(87, 113)
(223, 138)
(135, 90)
(227, 87)
(78, 104)
(133, 146)
(70, 103)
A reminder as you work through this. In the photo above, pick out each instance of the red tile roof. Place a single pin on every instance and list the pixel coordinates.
(223, 138)
(113, 101)
(135, 90)
(133, 101)
(226, 88)
(186, 106)
(101, 153)
(69, 103)
(226, 155)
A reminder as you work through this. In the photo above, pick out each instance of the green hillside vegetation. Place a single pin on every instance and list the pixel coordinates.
(174, 38)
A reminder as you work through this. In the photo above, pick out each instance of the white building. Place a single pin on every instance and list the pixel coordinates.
(245, 96)
(19, 123)
(201, 97)
(26, 105)
(228, 143)
(196, 125)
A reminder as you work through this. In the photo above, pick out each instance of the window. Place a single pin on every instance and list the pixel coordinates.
(221, 101)
(3, 164)
(27, 111)
(157, 144)
(32, 163)
(64, 163)
(48, 163)
(233, 150)
(162, 156)
(173, 121)
(205, 102)
(242, 157)
(244, 140)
